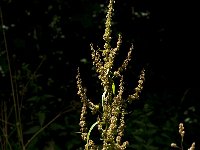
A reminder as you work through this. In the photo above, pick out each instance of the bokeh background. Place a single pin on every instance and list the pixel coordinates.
(48, 40)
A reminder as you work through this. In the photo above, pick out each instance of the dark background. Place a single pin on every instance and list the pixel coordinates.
(48, 40)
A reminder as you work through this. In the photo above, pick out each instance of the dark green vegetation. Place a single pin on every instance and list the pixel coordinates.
(47, 41)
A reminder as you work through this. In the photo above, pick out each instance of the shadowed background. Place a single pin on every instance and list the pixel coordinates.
(48, 40)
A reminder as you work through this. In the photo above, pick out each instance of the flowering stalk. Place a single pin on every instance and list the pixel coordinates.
(110, 120)
(182, 133)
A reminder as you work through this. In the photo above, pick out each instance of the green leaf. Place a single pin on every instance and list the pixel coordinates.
(55, 126)
(139, 139)
(33, 98)
(113, 88)
(32, 130)
(88, 135)
(41, 118)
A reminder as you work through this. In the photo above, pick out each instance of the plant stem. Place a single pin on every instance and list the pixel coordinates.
(13, 89)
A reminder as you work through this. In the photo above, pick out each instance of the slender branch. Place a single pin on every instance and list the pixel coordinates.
(44, 127)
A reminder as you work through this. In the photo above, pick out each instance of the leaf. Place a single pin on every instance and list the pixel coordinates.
(113, 88)
(56, 127)
(139, 139)
(32, 130)
(34, 98)
(150, 147)
(88, 135)
(46, 96)
(41, 117)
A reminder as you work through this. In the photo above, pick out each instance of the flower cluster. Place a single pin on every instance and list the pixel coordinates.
(182, 133)
(111, 120)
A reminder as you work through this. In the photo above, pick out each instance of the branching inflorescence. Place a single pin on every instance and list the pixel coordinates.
(110, 121)
(182, 133)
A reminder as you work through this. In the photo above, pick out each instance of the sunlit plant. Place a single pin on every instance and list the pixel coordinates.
(182, 133)
(112, 109)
